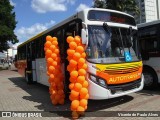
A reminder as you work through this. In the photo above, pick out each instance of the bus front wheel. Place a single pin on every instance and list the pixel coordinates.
(150, 79)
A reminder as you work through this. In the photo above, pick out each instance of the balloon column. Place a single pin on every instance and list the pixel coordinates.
(78, 84)
(54, 70)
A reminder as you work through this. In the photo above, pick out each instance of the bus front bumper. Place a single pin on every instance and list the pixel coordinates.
(96, 92)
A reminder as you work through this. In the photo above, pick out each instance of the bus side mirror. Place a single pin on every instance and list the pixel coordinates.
(84, 36)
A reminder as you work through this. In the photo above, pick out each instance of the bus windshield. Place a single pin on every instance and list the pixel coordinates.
(107, 45)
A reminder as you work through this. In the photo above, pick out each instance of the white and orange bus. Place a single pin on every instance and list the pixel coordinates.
(113, 57)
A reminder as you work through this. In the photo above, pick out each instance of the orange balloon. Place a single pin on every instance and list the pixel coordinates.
(48, 73)
(54, 92)
(49, 60)
(70, 52)
(76, 56)
(83, 91)
(48, 38)
(73, 98)
(60, 85)
(83, 103)
(53, 85)
(80, 79)
(85, 107)
(60, 92)
(80, 49)
(80, 109)
(54, 102)
(82, 72)
(45, 48)
(62, 96)
(72, 45)
(55, 43)
(51, 69)
(54, 56)
(57, 80)
(71, 86)
(69, 68)
(56, 51)
(69, 58)
(84, 96)
(85, 84)
(70, 39)
(81, 61)
(77, 39)
(54, 39)
(57, 97)
(72, 63)
(48, 44)
(57, 72)
(77, 87)
(52, 48)
(61, 101)
(48, 53)
(54, 63)
(83, 55)
(49, 80)
(75, 104)
(71, 79)
(51, 97)
(74, 74)
(52, 75)
(58, 59)
(74, 93)
(82, 66)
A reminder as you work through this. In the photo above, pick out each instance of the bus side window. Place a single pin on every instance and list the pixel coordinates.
(33, 46)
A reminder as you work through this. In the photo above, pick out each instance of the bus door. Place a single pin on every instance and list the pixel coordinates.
(28, 71)
(71, 29)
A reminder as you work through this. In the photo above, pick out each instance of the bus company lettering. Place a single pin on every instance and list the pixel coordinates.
(123, 78)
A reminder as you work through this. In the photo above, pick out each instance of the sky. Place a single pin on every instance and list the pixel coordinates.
(35, 16)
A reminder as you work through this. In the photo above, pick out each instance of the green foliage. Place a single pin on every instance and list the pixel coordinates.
(7, 25)
(120, 5)
(99, 4)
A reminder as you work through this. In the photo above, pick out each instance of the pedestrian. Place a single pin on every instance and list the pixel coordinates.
(9, 64)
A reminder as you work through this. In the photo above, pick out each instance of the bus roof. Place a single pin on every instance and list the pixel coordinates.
(148, 23)
(69, 19)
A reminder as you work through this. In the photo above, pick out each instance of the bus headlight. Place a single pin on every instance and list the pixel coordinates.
(98, 80)
(93, 78)
(102, 82)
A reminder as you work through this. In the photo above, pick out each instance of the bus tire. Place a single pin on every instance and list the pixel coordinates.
(150, 78)
(28, 78)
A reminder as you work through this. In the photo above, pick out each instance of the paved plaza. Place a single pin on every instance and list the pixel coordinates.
(17, 95)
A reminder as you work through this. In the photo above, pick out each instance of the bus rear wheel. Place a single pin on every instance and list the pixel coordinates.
(150, 79)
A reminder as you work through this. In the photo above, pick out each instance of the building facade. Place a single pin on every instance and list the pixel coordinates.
(149, 11)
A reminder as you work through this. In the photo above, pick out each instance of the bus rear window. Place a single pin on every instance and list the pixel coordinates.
(110, 17)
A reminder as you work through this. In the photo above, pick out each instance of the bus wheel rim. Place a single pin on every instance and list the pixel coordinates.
(148, 79)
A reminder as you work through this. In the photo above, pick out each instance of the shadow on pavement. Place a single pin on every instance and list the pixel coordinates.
(150, 92)
(39, 93)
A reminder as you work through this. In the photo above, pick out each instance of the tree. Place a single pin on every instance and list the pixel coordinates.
(99, 4)
(120, 5)
(7, 25)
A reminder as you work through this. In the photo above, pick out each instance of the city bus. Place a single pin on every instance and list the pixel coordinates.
(112, 52)
(150, 50)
